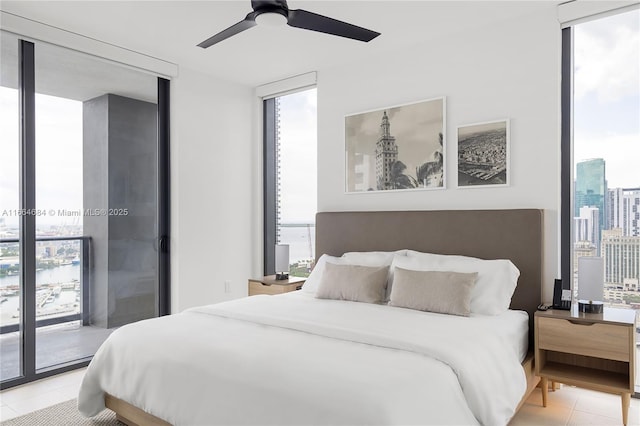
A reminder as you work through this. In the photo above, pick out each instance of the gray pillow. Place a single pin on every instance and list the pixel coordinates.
(433, 291)
(353, 282)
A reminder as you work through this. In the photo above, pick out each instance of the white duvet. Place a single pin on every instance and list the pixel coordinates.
(296, 360)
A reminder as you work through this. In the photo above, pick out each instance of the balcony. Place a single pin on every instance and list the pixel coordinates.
(64, 333)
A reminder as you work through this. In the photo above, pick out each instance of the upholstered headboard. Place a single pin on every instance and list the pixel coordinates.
(486, 234)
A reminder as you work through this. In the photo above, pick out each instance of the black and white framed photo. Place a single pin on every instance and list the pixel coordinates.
(483, 154)
(396, 148)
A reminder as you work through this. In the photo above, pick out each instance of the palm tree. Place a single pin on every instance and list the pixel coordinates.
(398, 179)
(432, 168)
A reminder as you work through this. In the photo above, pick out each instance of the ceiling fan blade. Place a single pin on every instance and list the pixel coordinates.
(248, 22)
(312, 21)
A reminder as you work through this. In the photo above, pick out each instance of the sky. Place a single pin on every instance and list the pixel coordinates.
(298, 154)
(607, 96)
(58, 157)
(475, 128)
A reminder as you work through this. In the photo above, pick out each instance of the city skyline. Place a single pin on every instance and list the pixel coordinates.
(607, 231)
(591, 193)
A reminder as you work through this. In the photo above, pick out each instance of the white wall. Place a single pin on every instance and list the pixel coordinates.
(211, 188)
(508, 70)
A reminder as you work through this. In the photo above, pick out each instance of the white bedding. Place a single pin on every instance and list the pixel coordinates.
(293, 359)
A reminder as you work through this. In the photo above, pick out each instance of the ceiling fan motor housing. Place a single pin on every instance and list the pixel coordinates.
(271, 12)
(270, 6)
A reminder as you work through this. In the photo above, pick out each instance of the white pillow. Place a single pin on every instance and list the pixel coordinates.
(372, 258)
(360, 258)
(497, 279)
(315, 277)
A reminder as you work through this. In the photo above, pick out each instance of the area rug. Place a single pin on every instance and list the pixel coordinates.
(64, 413)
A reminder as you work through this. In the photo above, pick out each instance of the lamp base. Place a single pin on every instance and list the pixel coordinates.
(590, 306)
(282, 276)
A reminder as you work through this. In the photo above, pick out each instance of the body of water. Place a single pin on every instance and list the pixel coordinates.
(64, 304)
(301, 240)
(60, 274)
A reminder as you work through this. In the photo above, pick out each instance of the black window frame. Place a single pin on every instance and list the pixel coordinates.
(566, 158)
(269, 179)
(27, 188)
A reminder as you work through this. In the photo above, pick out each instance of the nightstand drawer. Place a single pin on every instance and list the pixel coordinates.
(584, 338)
(257, 287)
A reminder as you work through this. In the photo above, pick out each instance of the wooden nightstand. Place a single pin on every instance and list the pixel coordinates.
(593, 351)
(269, 285)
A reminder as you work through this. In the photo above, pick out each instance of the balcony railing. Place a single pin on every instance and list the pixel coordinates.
(83, 314)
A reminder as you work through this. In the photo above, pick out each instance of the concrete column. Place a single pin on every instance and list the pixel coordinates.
(120, 178)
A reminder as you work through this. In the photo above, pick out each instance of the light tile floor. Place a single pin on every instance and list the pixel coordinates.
(566, 406)
(574, 406)
(40, 394)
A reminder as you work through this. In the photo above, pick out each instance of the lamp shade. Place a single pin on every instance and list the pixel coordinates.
(591, 278)
(282, 257)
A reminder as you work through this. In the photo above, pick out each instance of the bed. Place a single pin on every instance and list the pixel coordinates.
(297, 359)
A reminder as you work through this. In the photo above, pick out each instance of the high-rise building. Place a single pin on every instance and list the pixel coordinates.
(386, 154)
(278, 170)
(623, 210)
(587, 227)
(591, 187)
(621, 256)
(582, 249)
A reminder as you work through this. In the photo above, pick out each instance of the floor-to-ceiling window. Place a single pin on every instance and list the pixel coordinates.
(82, 230)
(601, 148)
(291, 147)
(10, 285)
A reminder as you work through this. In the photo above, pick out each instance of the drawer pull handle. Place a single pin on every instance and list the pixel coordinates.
(580, 322)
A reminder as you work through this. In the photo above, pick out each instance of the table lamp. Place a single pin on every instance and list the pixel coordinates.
(590, 284)
(282, 261)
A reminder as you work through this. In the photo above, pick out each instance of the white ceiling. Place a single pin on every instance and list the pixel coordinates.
(170, 30)
(74, 75)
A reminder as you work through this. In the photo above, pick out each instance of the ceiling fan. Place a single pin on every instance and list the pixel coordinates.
(276, 12)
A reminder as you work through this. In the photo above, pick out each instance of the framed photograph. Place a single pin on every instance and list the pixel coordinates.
(396, 148)
(483, 154)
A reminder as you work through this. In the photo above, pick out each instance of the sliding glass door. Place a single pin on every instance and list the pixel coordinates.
(91, 227)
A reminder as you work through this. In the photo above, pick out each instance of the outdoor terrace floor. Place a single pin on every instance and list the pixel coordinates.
(55, 345)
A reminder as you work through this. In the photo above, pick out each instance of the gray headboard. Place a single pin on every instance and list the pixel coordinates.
(486, 234)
